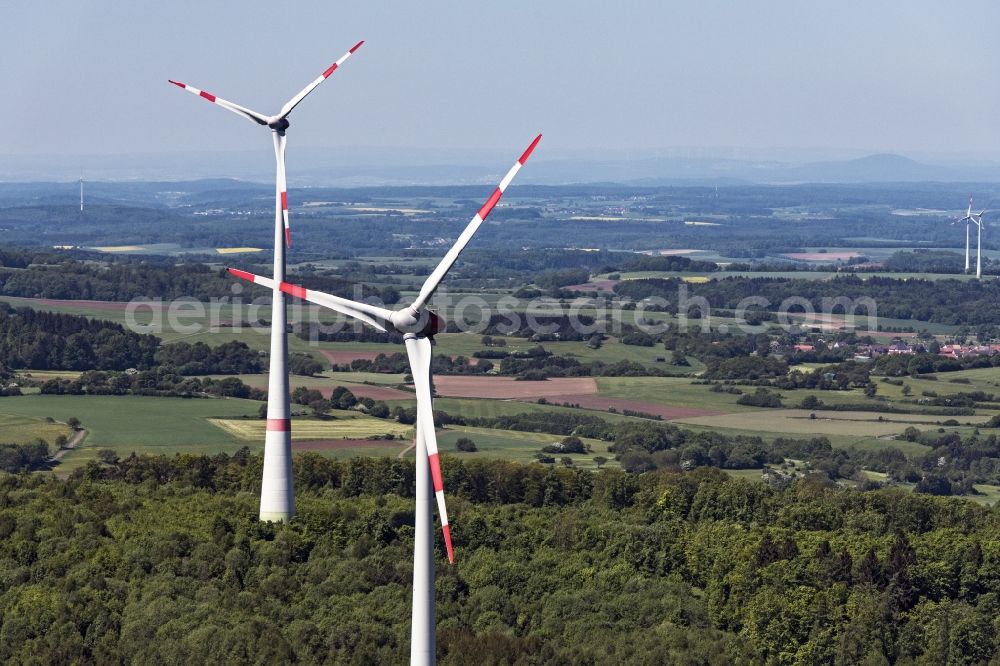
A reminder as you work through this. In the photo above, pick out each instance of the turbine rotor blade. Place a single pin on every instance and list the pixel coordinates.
(418, 349)
(372, 315)
(432, 282)
(293, 102)
(258, 118)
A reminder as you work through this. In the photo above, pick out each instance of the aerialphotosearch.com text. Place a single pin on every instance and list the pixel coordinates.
(508, 315)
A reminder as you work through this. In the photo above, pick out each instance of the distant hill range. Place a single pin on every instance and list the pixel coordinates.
(883, 168)
(355, 167)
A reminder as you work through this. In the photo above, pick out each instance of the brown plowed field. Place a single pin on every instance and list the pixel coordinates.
(604, 404)
(505, 388)
(346, 355)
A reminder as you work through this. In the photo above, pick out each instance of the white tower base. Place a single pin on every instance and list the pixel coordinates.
(423, 645)
(277, 494)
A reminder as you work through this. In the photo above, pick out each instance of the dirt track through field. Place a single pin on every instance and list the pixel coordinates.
(604, 404)
(506, 388)
(71, 444)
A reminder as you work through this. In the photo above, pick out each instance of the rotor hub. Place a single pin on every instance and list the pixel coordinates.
(279, 125)
(421, 322)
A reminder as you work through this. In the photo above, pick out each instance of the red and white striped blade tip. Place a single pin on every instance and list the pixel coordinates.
(437, 481)
(288, 237)
(356, 46)
(527, 153)
(446, 529)
(243, 275)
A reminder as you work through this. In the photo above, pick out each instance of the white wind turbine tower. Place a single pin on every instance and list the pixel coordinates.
(978, 219)
(277, 498)
(418, 325)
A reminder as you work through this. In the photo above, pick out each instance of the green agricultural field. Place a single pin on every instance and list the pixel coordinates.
(862, 430)
(342, 425)
(141, 424)
(466, 344)
(519, 446)
(383, 379)
(485, 408)
(45, 375)
(980, 379)
(375, 450)
(322, 382)
(20, 429)
(837, 441)
(675, 391)
(990, 495)
(798, 422)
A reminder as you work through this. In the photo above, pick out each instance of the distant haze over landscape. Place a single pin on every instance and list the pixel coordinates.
(359, 166)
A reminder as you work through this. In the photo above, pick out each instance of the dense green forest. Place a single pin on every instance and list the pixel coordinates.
(161, 560)
(969, 302)
(67, 278)
(50, 341)
(45, 340)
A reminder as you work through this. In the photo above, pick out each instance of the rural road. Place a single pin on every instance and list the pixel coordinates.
(71, 444)
(409, 448)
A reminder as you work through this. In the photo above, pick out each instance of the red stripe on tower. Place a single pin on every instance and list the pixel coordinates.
(279, 425)
(435, 471)
(207, 95)
(488, 206)
(524, 157)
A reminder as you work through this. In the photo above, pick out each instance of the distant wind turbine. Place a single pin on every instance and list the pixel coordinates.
(277, 498)
(978, 219)
(418, 326)
(968, 219)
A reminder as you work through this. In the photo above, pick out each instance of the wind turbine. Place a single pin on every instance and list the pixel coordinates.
(277, 497)
(418, 326)
(968, 220)
(978, 219)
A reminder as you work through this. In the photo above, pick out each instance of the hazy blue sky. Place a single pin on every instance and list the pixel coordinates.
(82, 76)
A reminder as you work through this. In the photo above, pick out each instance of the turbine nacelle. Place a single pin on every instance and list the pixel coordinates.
(422, 322)
(278, 124)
